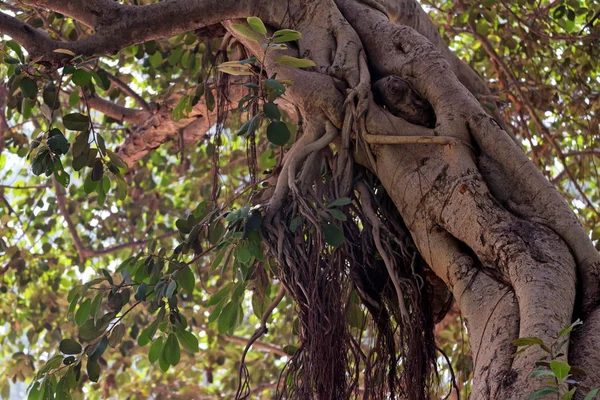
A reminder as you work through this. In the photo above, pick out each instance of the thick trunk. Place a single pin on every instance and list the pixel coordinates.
(513, 261)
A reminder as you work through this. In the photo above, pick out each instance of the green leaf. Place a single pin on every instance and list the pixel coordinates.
(170, 289)
(228, 318)
(246, 32)
(286, 35)
(89, 185)
(93, 370)
(541, 372)
(527, 341)
(220, 295)
(81, 77)
(171, 349)
(338, 214)
(148, 333)
(69, 346)
(569, 395)
(83, 312)
(333, 235)
(76, 122)
(290, 349)
(117, 335)
(185, 278)
(156, 349)
(188, 340)
(591, 394)
(115, 159)
(140, 293)
(568, 329)
(28, 88)
(60, 174)
(51, 364)
(242, 253)
(257, 25)
(272, 111)
(97, 170)
(275, 86)
(278, 133)
(342, 201)
(294, 62)
(542, 393)
(560, 368)
(101, 78)
(80, 144)
(155, 59)
(58, 143)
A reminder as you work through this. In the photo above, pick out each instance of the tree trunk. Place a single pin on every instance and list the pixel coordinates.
(483, 218)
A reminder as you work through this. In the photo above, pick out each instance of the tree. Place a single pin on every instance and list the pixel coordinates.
(353, 179)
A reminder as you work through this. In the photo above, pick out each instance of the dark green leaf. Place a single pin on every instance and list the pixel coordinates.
(156, 350)
(140, 293)
(333, 235)
(185, 278)
(338, 214)
(81, 77)
(228, 318)
(60, 174)
(116, 335)
(76, 122)
(278, 133)
(28, 88)
(83, 312)
(171, 349)
(343, 201)
(69, 346)
(272, 111)
(242, 253)
(171, 289)
(93, 370)
(188, 340)
(97, 170)
(59, 144)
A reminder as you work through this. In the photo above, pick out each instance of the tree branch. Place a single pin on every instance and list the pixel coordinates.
(83, 251)
(118, 26)
(35, 41)
(118, 112)
(89, 12)
(128, 91)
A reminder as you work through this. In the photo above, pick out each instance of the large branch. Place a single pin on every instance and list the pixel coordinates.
(124, 25)
(90, 12)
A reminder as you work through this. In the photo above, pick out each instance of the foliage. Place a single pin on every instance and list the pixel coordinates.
(562, 375)
(88, 297)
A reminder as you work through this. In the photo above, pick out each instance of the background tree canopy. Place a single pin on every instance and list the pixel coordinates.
(130, 217)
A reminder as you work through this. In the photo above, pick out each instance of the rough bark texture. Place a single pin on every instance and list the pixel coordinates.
(507, 246)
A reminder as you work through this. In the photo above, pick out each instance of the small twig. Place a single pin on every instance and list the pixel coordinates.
(128, 91)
